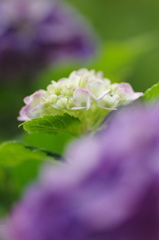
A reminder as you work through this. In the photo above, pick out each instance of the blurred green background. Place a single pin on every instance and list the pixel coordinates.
(122, 22)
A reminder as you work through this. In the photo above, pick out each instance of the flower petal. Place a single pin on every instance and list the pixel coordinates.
(126, 92)
(109, 102)
(97, 89)
(23, 114)
(81, 99)
(34, 98)
(33, 107)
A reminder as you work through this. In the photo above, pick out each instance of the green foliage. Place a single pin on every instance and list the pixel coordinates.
(13, 181)
(19, 165)
(54, 125)
(152, 94)
(13, 153)
(55, 143)
(118, 57)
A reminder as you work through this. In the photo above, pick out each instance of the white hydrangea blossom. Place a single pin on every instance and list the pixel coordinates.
(84, 94)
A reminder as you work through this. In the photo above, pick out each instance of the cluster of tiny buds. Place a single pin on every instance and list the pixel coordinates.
(82, 90)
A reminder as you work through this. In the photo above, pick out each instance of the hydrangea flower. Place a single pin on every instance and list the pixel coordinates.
(35, 33)
(85, 94)
(3, 230)
(109, 190)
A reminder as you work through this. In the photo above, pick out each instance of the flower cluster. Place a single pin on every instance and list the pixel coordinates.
(109, 190)
(82, 91)
(35, 33)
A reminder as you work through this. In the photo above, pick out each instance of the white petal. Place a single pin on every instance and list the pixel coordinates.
(77, 108)
(97, 89)
(137, 95)
(109, 102)
(81, 98)
(36, 96)
(127, 93)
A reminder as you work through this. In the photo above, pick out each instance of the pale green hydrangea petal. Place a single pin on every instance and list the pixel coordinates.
(109, 102)
(97, 89)
(60, 104)
(81, 99)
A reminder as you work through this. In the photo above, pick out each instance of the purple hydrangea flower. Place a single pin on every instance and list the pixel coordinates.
(108, 191)
(35, 33)
(3, 229)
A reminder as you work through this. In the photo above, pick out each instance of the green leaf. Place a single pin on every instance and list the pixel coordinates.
(54, 125)
(19, 166)
(152, 94)
(13, 153)
(52, 142)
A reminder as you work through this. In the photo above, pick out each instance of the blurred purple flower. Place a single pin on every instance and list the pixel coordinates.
(35, 33)
(108, 191)
(2, 229)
